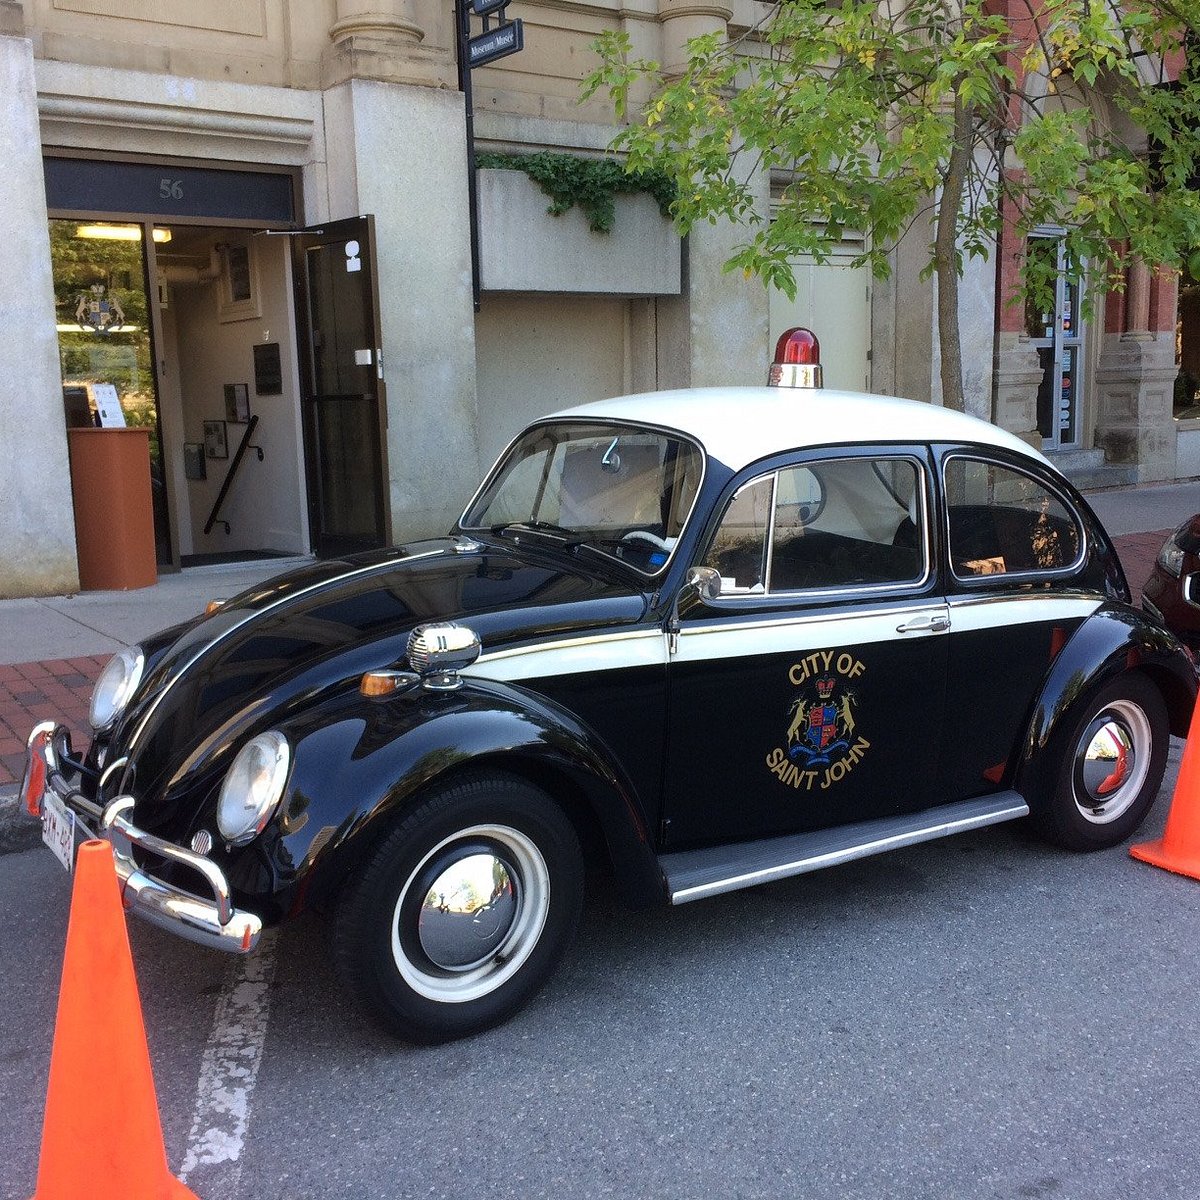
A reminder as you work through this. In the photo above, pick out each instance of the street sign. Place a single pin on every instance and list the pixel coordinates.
(480, 7)
(495, 43)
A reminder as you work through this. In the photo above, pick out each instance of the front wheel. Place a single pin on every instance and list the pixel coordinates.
(1111, 769)
(462, 911)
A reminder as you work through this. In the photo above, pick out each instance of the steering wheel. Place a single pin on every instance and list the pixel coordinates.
(644, 535)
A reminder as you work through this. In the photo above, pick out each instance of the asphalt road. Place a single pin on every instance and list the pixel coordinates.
(979, 1017)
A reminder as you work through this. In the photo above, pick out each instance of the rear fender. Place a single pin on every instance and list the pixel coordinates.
(357, 773)
(1114, 640)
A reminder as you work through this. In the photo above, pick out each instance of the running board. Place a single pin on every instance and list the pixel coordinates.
(695, 874)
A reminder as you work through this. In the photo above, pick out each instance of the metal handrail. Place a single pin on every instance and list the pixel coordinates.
(233, 466)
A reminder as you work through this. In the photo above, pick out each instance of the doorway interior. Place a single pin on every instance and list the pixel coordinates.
(193, 328)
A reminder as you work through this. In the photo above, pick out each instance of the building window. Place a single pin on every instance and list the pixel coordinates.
(1187, 349)
(1055, 330)
(102, 302)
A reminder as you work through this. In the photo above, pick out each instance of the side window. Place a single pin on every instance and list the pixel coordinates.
(847, 523)
(839, 523)
(1004, 522)
(739, 547)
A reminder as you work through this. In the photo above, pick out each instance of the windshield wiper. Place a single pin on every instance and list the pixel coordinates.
(558, 538)
(555, 534)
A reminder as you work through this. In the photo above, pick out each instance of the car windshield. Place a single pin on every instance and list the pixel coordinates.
(622, 490)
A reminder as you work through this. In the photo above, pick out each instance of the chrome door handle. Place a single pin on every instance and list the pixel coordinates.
(928, 624)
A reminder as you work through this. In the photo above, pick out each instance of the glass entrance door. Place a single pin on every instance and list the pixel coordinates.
(1057, 335)
(105, 341)
(343, 398)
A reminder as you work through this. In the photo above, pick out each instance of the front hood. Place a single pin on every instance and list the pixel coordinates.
(287, 642)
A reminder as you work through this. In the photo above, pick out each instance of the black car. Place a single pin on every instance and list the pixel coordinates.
(706, 639)
(1172, 593)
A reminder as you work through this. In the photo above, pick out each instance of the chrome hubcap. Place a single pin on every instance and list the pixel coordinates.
(1112, 761)
(471, 913)
(468, 912)
(1108, 760)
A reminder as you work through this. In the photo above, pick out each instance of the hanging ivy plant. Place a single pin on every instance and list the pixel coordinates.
(592, 183)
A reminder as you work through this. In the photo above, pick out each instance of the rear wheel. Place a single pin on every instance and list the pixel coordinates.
(1111, 768)
(463, 910)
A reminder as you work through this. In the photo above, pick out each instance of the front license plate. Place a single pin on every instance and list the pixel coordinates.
(58, 829)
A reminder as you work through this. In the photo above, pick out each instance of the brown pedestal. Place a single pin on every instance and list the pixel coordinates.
(114, 514)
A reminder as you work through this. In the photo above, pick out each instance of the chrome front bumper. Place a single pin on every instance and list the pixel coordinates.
(211, 922)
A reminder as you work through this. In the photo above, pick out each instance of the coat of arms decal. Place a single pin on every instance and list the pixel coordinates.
(822, 744)
(97, 311)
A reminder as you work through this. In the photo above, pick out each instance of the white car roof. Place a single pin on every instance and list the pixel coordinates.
(739, 425)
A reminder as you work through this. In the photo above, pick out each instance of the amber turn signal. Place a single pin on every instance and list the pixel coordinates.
(379, 683)
(35, 774)
(212, 606)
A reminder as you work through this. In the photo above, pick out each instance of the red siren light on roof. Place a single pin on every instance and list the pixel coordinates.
(797, 360)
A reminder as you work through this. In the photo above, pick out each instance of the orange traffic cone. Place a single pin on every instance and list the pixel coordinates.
(1178, 849)
(101, 1137)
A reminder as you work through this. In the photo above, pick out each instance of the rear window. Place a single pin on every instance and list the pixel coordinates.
(1005, 522)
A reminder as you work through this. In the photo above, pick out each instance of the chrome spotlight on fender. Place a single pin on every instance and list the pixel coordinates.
(438, 652)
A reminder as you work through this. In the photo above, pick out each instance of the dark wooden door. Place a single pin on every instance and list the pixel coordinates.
(345, 411)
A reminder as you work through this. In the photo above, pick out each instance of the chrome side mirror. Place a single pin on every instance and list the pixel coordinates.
(700, 583)
(438, 652)
(705, 580)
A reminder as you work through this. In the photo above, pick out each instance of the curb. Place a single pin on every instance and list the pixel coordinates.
(17, 830)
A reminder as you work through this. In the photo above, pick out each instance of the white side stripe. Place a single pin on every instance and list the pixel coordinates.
(810, 632)
(608, 652)
(732, 638)
(999, 611)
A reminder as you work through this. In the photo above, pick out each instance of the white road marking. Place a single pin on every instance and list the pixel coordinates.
(229, 1067)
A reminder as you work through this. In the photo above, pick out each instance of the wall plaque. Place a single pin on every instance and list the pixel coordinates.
(268, 370)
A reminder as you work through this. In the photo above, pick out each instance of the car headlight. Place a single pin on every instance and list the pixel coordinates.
(1170, 557)
(253, 787)
(117, 683)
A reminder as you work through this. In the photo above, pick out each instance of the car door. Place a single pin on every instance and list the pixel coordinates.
(1016, 553)
(809, 692)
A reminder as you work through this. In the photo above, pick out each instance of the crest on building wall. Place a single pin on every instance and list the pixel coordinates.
(98, 311)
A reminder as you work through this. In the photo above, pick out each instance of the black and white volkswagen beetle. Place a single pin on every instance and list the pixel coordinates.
(707, 639)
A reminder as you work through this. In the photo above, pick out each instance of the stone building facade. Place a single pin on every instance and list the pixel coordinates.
(250, 219)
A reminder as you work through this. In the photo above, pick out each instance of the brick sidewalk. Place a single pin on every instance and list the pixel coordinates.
(1137, 552)
(62, 688)
(31, 692)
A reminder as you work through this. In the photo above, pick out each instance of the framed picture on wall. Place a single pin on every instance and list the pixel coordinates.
(237, 403)
(193, 461)
(215, 443)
